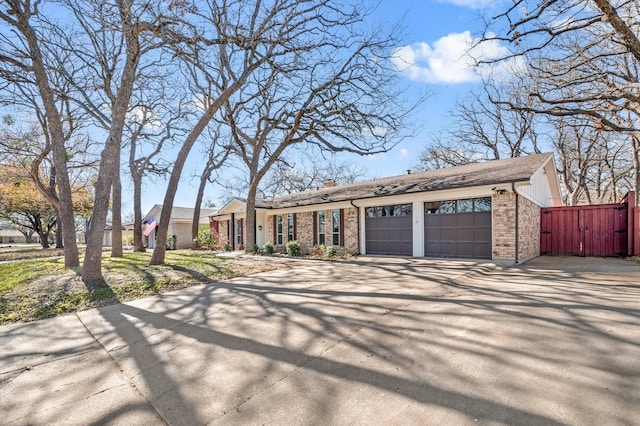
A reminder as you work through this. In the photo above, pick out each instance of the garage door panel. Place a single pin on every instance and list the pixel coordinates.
(391, 233)
(458, 231)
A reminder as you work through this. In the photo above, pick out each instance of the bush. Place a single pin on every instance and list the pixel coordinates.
(317, 251)
(171, 242)
(268, 248)
(330, 251)
(293, 248)
(256, 249)
(227, 247)
(205, 238)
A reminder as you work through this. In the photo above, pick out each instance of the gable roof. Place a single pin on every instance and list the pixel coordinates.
(179, 213)
(517, 169)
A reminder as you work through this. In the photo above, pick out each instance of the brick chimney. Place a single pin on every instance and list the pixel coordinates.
(330, 184)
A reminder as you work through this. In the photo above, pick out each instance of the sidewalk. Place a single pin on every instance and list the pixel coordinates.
(54, 372)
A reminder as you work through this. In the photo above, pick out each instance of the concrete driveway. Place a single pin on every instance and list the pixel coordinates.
(373, 341)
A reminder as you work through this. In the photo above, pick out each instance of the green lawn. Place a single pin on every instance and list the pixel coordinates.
(36, 288)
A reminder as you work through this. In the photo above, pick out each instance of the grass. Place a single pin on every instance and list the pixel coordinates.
(36, 288)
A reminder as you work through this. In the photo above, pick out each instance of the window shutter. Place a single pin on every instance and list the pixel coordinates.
(315, 228)
(295, 227)
(342, 227)
(275, 230)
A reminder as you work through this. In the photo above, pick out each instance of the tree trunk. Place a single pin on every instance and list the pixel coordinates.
(250, 231)
(116, 215)
(44, 239)
(157, 258)
(92, 266)
(195, 226)
(110, 156)
(71, 259)
(59, 231)
(138, 243)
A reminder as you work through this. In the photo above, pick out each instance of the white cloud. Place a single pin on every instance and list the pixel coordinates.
(472, 4)
(145, 116)
(404, 153)
(453, 59)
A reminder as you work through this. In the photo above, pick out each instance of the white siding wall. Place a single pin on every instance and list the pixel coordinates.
(539, 190)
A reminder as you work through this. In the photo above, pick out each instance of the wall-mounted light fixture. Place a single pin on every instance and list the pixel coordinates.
(499, 191)
(259, 227)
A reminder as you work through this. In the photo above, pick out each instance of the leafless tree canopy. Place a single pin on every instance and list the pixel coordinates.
(582, 71)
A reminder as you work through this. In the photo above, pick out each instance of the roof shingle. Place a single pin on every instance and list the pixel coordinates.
(491, 172)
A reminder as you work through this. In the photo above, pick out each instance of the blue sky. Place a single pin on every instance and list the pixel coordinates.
(433, 55)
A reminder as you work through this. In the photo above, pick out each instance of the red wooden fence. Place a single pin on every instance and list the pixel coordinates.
(634, 242)
(595, 230)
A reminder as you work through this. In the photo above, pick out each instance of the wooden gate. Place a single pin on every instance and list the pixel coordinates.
(597, 230)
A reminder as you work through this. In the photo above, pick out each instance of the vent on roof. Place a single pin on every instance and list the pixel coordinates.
(408, 171)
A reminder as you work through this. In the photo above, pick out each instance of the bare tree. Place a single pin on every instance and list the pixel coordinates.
(216, 157)
(235, 39)
(491, 123)
(146, 139)
(340, 95)
(307, 173)
(584, 62)
(114, 40)
(26, 66)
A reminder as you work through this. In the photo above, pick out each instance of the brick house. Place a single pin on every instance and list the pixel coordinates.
(485, 210)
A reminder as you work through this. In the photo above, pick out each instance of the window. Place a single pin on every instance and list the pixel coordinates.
(322, 227)
(239, 232)
(397, 210)
(460, 206)
(465, 206)
(440, 207)
(335, 227)
(290, 226)
(279, 230)
(482, 205)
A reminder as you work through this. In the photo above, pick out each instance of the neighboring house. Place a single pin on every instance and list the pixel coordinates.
(9, 234)
(179, 224)
(485, 210)
(127, 235)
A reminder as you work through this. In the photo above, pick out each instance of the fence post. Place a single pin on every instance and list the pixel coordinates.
(633, 228)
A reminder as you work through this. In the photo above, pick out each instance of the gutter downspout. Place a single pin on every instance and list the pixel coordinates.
(513, 188)
(357, 224)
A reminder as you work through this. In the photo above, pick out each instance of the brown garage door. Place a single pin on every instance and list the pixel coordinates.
(458, 228)
(389, 230)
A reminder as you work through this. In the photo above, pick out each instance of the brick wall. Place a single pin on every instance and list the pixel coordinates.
(504, 226)
(270, 233)
(305, 231)
(223, 232)
(351, 230)
(528, 229)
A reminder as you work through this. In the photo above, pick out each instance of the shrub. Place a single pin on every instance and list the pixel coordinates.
(171, 242)
(256, 249)
(205, 238)
(330, 251)
(317, 251)
(227, 247)
(293, 248)
(268, 248)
